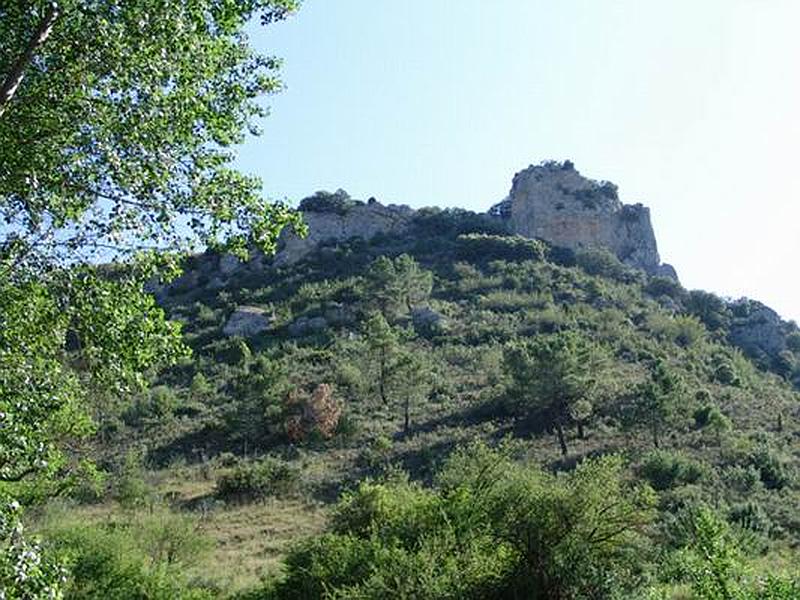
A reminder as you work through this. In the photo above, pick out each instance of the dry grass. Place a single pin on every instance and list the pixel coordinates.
(248, 540)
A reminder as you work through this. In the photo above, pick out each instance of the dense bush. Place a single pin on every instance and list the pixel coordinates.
(437, 224)
(143, 558)
(492, 529)
(666, 468)
(484, 248)
(664, 286)
(338, 202)
(602, 263)
(775, 474)
(257, 480)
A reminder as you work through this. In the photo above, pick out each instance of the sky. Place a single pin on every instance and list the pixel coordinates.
(691, 107)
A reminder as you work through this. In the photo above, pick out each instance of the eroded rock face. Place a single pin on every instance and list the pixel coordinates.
(247, 321)
(554, 202)
(666, 270)
(757, 329)
(358, 219)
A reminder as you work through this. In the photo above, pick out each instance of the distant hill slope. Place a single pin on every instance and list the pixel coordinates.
(266, 336)
(357, 357)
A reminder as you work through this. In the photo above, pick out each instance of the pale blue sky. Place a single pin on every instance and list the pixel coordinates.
(691, 106)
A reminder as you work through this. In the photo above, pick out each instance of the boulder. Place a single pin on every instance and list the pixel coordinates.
(427, 320)
(757, 329)
(247, 321)
(307, 325)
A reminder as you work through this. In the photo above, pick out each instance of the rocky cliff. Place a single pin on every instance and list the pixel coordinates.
(551, 201)
(336, 217)
(554, 202)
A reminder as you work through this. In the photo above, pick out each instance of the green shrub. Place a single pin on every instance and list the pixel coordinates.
(231, 351)
(686, 331)
(725, 373)
(479, 247)
(683, 330)
(743, 479)
(400, 510)
(711, 418)
(258, 480)
(600, 262)
(205, 315)
(131, 489)
(491, 529)
(701, 415)
(131, 560)
(750, 516)
(775, 473)
(664, 286)
(709, 308)
(338, 202)
(665, 469)
(329, 562)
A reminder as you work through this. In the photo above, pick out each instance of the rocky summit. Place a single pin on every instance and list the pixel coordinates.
(555, 203)
(551, 201)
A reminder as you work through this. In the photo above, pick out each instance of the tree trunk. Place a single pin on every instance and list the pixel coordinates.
(407, 417)
(581, 432)
(17, 72)
(382, 379)
(561, 441)
(655, 436)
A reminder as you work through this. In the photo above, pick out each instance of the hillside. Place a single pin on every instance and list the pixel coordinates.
(390, 338)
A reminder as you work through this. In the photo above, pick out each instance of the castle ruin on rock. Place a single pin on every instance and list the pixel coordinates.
(551, 201)
(555, 203)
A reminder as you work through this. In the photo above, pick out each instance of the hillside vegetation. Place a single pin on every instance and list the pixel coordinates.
(452, 413)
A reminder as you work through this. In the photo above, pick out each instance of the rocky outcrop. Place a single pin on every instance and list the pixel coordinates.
(757, 329)
(551, 201)
(246, 321)
(307, 326)
(428, 321)
(555, 203)
(336, 218)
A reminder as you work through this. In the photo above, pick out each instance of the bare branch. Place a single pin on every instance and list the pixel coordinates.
(15, 76)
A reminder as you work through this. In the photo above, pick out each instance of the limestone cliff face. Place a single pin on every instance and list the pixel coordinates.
(340, 221)
(551, 201)
(554, 202)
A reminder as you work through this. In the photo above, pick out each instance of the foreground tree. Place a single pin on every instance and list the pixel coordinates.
(713, 562)
(491, 528)
(553, 377)
(116, 120)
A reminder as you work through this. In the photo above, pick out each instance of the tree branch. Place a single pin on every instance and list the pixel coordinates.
(15, 76)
